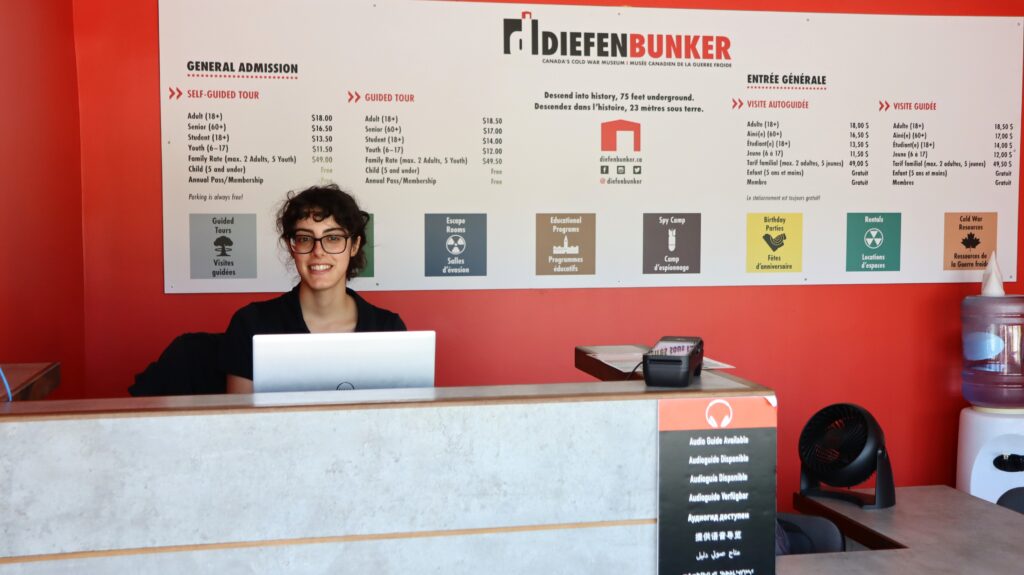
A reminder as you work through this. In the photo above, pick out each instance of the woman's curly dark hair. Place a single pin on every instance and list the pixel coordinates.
(320, 203)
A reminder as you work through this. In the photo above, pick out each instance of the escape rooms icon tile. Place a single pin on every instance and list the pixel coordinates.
(455, 244)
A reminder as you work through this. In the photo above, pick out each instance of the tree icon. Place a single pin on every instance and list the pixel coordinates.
(223, 244)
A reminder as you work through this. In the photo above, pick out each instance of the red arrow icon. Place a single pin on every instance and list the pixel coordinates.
(736, 104)
(353, 97)
(883, 105)
(173, 95)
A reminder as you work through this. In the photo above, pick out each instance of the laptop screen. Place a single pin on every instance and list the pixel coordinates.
(325, 361)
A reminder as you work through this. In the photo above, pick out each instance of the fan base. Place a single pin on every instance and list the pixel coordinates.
(864, 500)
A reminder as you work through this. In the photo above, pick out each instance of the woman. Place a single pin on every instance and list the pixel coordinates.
(324, 230)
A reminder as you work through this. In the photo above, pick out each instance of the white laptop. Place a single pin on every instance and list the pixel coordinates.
(326, 361)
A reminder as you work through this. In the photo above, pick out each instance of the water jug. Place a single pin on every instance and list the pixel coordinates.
(992, 329)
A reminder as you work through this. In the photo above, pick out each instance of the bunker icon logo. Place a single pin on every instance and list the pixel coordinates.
(620, 147)
(610, 134)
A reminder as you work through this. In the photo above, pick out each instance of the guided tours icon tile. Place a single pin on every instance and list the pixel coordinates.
(775, 242)
(873, 242)
(566, 244)
(455, 245)
(222, 246)
(671, 243)
(969, 239)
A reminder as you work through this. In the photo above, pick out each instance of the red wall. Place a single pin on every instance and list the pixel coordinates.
(893, 349)
(41, 297)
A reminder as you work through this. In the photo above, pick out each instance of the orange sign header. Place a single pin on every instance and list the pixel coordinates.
(743, 412)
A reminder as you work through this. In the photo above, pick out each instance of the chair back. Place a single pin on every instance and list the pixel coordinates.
(189, 366)
(811, 534)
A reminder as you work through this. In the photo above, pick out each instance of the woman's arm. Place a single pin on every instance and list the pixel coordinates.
(239, 384)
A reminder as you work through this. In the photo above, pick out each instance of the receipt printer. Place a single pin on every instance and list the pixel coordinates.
(674, 361)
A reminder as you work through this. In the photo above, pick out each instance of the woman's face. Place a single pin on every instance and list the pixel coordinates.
(319, 269)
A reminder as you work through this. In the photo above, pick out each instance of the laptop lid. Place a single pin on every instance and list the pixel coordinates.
(326, 361)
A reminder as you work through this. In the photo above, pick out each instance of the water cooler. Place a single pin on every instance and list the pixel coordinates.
(990, 458)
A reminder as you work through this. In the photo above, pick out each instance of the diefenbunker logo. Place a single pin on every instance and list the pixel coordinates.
(524, 35)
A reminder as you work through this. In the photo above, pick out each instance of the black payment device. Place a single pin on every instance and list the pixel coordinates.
(674, 361)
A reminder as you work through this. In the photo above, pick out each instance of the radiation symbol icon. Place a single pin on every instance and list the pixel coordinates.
(873, 238)
(455, 244)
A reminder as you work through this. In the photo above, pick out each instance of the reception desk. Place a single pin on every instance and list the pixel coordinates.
(559, 478)
(931, 530)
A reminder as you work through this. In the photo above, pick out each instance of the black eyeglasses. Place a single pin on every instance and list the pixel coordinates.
(331, 243)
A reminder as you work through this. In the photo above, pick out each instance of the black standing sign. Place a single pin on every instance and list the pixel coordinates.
(717, 486)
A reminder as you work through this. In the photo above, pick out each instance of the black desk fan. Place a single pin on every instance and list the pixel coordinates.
(841, 446)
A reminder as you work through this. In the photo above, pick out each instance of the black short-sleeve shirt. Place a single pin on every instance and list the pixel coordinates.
(283, 314)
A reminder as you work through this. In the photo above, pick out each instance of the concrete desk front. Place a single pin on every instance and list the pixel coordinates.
(559, 478)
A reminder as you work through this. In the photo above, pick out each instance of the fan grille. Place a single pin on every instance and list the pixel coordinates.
(834, 438)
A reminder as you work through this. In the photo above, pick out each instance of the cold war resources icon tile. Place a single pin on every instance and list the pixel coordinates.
(970, 237)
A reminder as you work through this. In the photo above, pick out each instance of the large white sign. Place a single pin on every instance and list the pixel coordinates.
(516, 146)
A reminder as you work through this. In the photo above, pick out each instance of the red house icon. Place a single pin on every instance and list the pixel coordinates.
(610, 131)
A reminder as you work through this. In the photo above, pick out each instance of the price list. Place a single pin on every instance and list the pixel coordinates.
(212, 158)
(860, 153)
(916, 156)
(1003, 154)
(321, 149)
(491, 147)
(389, 160)
(771, 155)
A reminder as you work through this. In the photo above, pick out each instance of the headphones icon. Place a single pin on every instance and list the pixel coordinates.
(726, 418)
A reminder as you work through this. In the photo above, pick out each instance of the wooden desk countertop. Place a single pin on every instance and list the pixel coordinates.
(31, 381)
(941, 530)
(712, 385)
